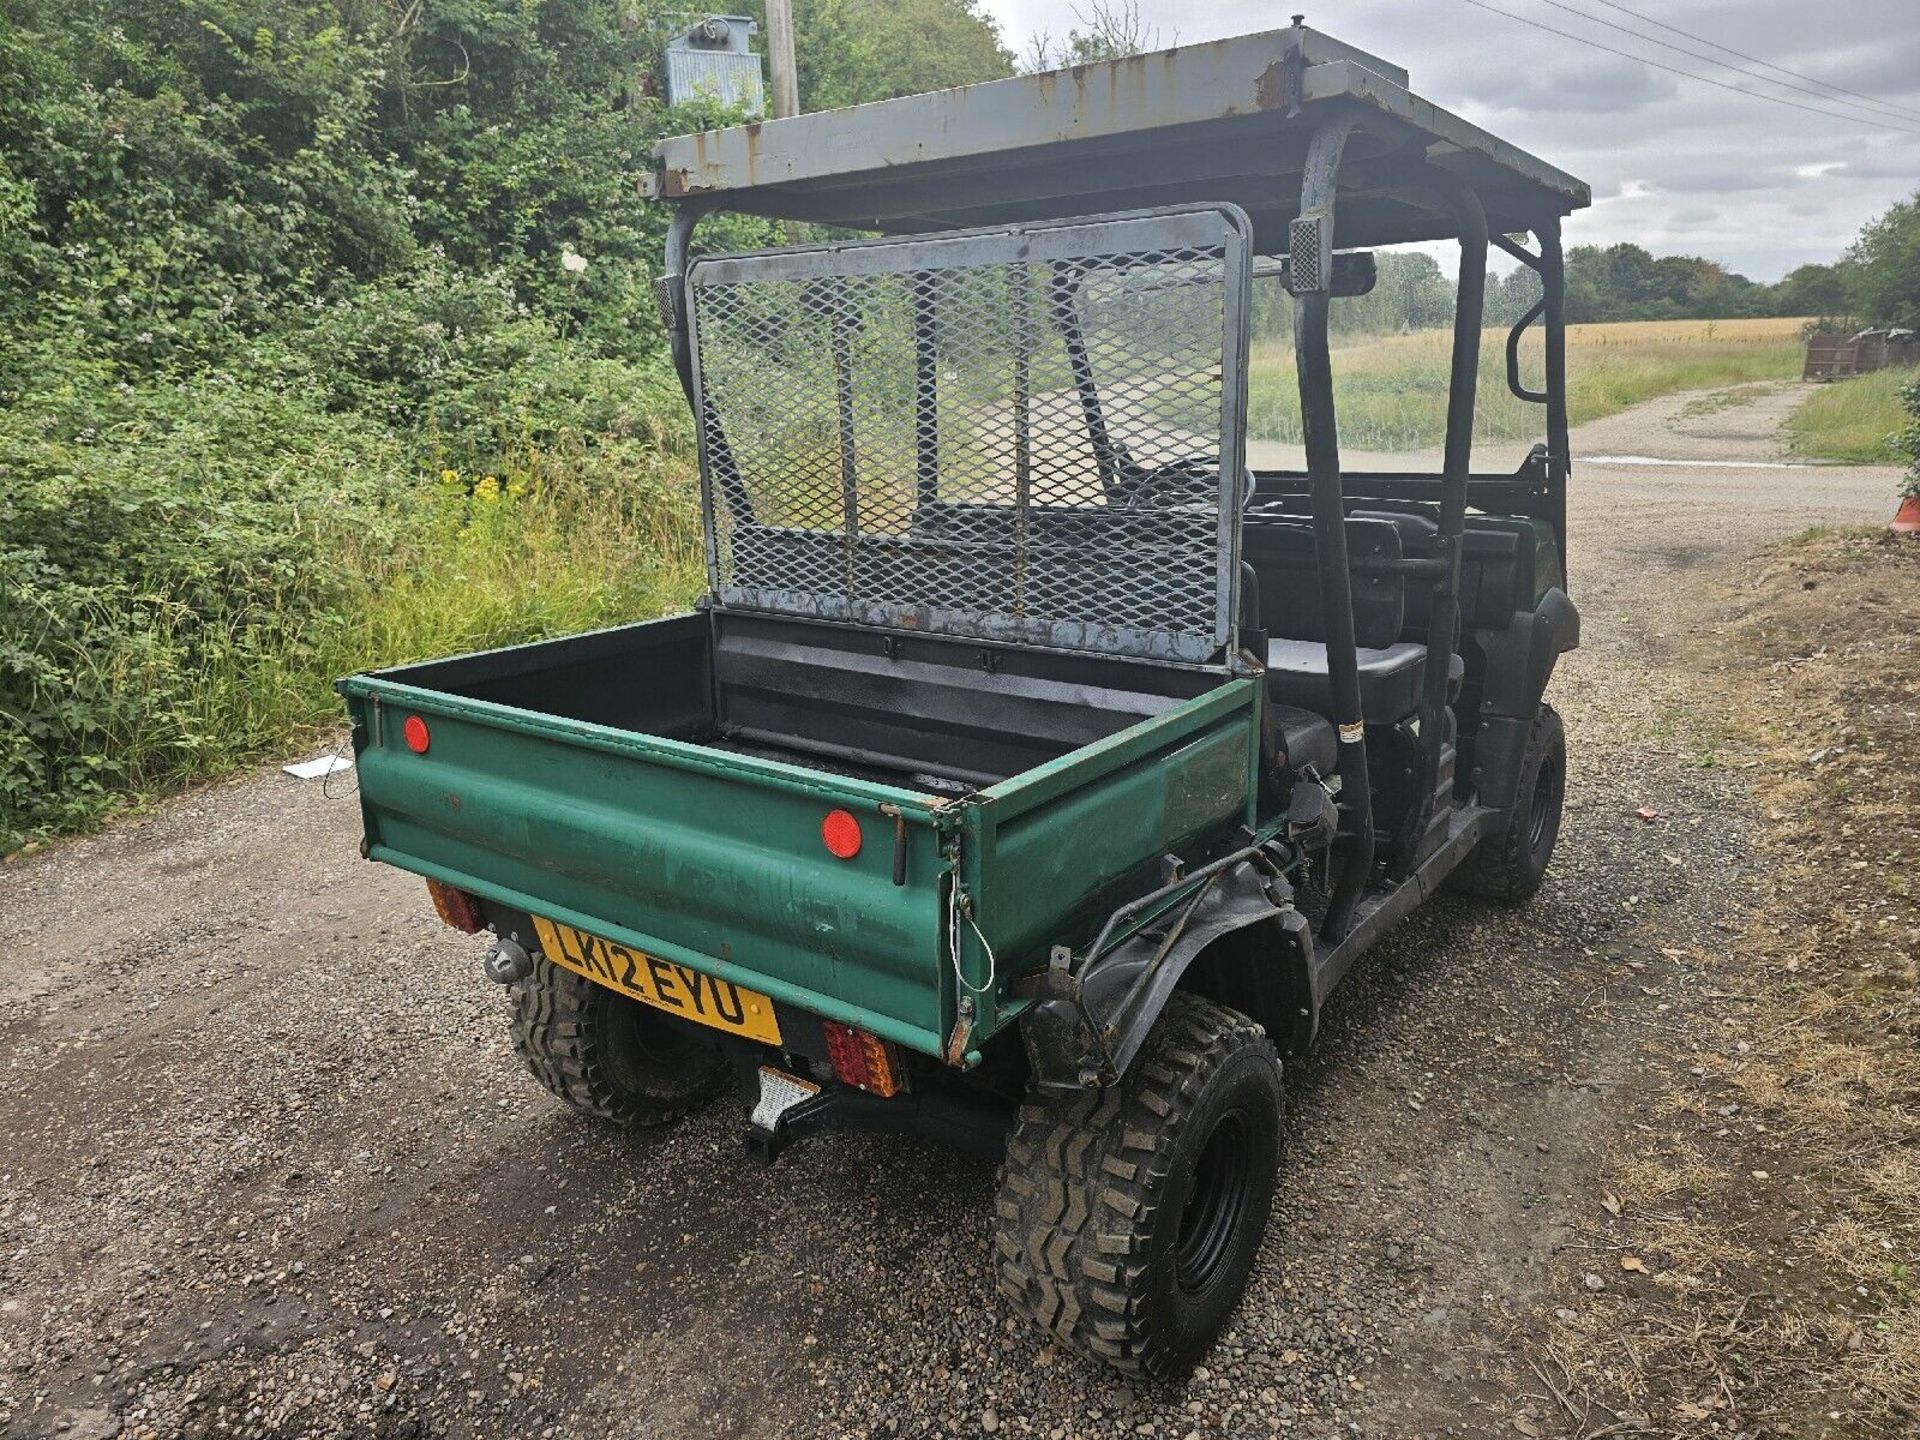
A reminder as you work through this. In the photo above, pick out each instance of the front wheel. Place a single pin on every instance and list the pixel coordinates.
(1509, 864)
(1128, 1219)
(609, 1056)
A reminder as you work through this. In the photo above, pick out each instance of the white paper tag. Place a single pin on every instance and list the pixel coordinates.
(319, 768)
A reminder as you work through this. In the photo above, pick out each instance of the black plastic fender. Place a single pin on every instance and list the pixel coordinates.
(1519, 663)
(1243, 944)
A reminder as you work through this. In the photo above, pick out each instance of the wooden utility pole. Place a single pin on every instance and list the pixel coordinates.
(786, 83)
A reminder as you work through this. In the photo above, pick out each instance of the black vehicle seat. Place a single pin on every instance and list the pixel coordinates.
(1281, 551)
(1390, 678)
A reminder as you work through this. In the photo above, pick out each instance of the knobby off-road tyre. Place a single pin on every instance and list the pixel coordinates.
(1128, 1219)
(1509, 864)
(614, 1058)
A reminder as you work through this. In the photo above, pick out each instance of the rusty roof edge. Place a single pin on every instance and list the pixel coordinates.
(1442, 126)
(1223, 80)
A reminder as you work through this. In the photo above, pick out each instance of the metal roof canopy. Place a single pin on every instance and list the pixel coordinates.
(1228, 120)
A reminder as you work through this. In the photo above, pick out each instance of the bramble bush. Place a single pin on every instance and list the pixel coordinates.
(181, 577)
(327, 339)
(1906, 441)
(266, 279)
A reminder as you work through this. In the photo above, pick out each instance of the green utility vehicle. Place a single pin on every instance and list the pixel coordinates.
(1034, 767)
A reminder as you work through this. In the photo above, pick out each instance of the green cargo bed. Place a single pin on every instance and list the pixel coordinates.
(664, 786)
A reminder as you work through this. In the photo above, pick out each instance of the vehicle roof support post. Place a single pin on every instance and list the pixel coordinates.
(674, 311)
(1062, 294)
(926, 395)
(1310, 265)
(673, 294)
(1443, 621)
(1553, 285)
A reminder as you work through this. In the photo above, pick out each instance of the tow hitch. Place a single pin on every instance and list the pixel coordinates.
(507, 962)
(783, 1100)
(787, 1108)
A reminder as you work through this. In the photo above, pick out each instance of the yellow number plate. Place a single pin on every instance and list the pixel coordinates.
(677, 989)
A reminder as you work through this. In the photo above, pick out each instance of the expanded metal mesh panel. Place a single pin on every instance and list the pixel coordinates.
(1028, 434)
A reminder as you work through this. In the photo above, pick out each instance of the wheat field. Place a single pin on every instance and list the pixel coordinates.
(1391, 391)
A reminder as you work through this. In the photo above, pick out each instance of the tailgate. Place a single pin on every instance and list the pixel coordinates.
(707, 859)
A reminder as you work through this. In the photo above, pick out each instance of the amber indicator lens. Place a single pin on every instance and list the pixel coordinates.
(863, 1061)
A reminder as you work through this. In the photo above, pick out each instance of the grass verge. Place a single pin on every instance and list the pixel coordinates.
(1392, 391)
(162, 691)
(1776, 1196)
(1852, 420)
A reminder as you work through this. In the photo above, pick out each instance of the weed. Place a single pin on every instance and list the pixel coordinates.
(1856, 419)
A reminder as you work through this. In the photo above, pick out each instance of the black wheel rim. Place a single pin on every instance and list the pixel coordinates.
(1540, 814)
(1215, 1204)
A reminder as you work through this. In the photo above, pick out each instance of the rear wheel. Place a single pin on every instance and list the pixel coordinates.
(611, 1057)
(1128, 1219)
(1510, 864)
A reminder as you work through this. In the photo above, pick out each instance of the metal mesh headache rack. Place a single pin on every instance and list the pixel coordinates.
(1031, 434)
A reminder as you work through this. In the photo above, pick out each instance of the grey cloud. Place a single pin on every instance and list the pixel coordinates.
(1602, 86)
(1695, 218)
(1901, 164)
(1721, 175)
(1720, 170)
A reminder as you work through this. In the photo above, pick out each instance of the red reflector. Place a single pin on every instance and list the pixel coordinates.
(416, 732)
(862, 1060)
(841, 832)
(455, 907)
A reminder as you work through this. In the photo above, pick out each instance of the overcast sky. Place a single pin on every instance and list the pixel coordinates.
(1675, 165)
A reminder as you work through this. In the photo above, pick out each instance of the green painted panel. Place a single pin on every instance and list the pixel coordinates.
(715, 860)
(1048, 856)
(727, 872)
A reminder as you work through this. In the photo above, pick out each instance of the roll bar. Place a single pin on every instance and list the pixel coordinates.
(1310, 271)
(1312, 267)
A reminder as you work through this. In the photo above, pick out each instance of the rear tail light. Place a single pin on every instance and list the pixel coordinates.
(455, 907)
(863, 1061)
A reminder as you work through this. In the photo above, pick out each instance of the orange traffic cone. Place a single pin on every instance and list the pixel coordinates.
(1907, 518)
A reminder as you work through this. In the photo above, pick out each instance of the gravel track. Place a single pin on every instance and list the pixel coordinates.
(270, 1168)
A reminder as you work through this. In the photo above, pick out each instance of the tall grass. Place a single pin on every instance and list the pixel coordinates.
(545, 551)
(1853, 420)
(552, 544)
(1391, 392)
(542, 549)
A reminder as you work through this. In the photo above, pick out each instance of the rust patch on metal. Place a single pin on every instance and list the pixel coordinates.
(957, 1042)
(1270, 89)
(680, 184)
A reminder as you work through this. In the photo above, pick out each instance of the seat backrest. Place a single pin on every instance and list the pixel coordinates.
(1417, 535)
(1282, 554)
(1498, 567)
